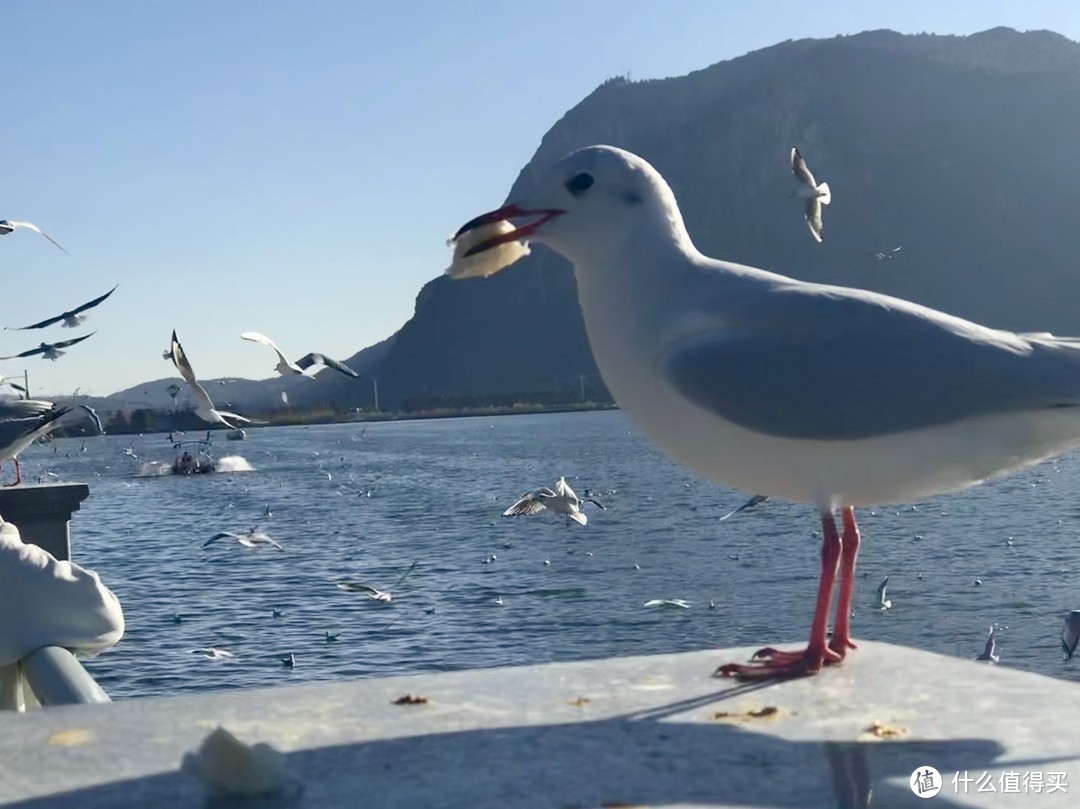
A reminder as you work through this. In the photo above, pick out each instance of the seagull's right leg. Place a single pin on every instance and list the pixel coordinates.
(770, 662)
(841, 639)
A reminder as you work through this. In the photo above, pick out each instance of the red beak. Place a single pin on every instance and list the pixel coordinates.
(501, 215)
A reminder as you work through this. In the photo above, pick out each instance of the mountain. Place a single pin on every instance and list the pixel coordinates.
(326, 389)
(961, 150)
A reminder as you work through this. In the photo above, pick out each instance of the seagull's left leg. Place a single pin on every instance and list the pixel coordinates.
(18, 473)
(771, 662)
(841, 638)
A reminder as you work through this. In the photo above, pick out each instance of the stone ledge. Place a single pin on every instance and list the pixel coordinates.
(42, 512)
(641, 731)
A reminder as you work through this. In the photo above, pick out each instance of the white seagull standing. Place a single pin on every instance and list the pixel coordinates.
(285, 367)
(204, 407)
(807, 188)
(827, 395)
(11, 225)
(563, 500)
(24, 421)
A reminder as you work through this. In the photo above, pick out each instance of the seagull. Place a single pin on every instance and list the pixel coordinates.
(285, 367)
(5, 381)
(204, 408)
(562, 500)
(753, 501)
(371, 592)
(806, 187)
(883, 603)
(72, 319)
(213, 653)
(10, 225)
(51, 351)
(1070, 634)
(252, 539)
(844, 397)
(289, 661)
(880, 256)
(130, 452)
(24, 421)
(331, 637)
(988, 651)
(667, 602)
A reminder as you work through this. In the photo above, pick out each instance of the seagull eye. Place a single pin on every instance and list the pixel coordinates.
(579, 184)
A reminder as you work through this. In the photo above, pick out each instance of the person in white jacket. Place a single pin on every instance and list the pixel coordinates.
(48, 602)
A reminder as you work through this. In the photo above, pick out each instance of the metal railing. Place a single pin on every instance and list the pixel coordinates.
(57, 678)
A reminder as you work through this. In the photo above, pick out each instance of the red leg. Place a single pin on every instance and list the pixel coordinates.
(18, 472)
(809, 661)
(841, 639)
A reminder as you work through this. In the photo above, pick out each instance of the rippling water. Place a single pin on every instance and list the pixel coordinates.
(347, 505)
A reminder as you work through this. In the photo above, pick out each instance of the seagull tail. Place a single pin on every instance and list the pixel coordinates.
(824, 194)
(578, 517)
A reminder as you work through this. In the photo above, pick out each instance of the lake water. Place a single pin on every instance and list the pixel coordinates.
(348, 504)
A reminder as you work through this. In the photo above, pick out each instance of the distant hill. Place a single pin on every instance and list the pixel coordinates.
(961, 150)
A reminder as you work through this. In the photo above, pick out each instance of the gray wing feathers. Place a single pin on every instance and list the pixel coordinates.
(836, 364)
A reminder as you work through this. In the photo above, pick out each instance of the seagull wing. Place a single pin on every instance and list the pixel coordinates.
(39, 350)
(562, 489)
(222, 535)
(753, 501)
(72, 341)
(91, 304)
(255, 337)
(40, 325)
(309, 360)
(357, 587)
(36, 229)
(405, 575)
(813, 218)
(799, 169)
(527, 504)
(23, 408)
(831, 363)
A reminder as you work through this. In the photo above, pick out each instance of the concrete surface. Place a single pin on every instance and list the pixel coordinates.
(645, 731)
(42, 513)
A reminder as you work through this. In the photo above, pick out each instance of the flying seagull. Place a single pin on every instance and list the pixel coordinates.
(1070, 634)
(252, 539)
(285, 367)
(11, 225)
(372, 593)
(51, 351)
(753, 501)
(844, 397)
(807, 188)
(562, 500)
(71, 319)
(988, 653)
(213, 653)
(204, 408)
(24, 421)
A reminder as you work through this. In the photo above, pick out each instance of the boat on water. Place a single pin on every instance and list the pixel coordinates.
(193, 458)
(236, 435)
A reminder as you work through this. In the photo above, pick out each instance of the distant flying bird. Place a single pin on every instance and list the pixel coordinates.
(71, 319)
(371, 592)
(988, 653)
(24, 421)
(807, 188)
(562, 500)
(1070, 634)
(252, 539)
(213, 653)
(667, 602)
(753, 501)
(5, 381)
(285, 367)
(883, 256)
(10, 225)
(51, 351)
(204, 408)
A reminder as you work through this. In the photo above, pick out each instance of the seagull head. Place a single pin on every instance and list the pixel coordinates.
(596, 198)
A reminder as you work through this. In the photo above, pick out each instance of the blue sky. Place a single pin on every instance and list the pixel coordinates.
(295, 167)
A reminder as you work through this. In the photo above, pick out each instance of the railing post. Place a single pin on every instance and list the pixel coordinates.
(42, 513)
